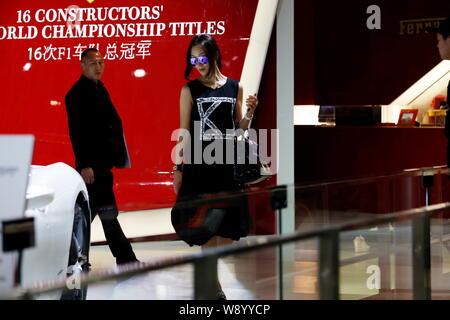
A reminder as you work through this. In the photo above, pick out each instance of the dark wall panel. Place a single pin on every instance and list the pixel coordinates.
(340, 61)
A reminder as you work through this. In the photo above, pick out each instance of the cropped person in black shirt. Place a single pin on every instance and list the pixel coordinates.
(443, 39)
(98, 143)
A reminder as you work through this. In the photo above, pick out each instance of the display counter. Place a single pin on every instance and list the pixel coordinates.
(363, 163)
(343, 152)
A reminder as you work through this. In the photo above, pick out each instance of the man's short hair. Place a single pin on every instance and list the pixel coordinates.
(86, 52)
(443, 29)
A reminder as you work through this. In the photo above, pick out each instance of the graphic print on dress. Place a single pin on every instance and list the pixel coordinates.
(214, 102)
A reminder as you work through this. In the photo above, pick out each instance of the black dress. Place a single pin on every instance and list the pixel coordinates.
(208, 172)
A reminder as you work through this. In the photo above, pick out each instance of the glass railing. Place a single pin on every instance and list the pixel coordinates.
(371, 238)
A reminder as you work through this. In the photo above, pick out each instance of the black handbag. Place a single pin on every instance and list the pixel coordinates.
(248, 168)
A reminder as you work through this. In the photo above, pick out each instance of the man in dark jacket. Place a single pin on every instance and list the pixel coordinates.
(99, 145)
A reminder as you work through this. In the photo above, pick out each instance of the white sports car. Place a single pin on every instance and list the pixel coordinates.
(57, 199)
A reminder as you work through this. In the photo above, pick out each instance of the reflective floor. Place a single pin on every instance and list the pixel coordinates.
(375, 264)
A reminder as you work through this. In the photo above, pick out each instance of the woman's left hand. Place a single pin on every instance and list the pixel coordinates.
(251, 103)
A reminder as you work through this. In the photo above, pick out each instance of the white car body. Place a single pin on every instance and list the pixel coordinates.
(51, 197)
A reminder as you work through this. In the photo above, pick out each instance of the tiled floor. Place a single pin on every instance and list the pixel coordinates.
(255, 275)
(137, 224)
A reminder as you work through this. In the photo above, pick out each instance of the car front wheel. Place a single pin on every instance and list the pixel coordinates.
(79, 252)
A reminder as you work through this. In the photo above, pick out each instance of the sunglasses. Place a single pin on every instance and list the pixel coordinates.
(202, 60)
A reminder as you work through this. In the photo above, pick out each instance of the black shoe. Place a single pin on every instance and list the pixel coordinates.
(87, 267)
(125, 261)
(221, 295)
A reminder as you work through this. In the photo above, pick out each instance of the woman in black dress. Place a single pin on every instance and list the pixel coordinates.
(210, 108)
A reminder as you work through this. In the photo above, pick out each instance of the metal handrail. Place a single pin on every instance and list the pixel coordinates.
(255, 190)
(406, 172)
(328, 264)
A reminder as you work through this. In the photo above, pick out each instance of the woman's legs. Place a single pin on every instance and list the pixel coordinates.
(215, 242)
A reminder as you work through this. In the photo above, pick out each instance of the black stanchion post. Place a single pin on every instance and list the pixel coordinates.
(205, 278)
(421, 258)
(329, 265)
(278, 201)
(427, 183)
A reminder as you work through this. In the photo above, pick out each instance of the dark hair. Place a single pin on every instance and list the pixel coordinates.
(212, 52)
(85, 53)
(443, 29)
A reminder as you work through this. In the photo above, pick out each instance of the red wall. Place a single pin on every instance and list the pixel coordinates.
(148, 106)
(266, 118)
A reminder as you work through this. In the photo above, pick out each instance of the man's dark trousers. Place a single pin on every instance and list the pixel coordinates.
(103, 202)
